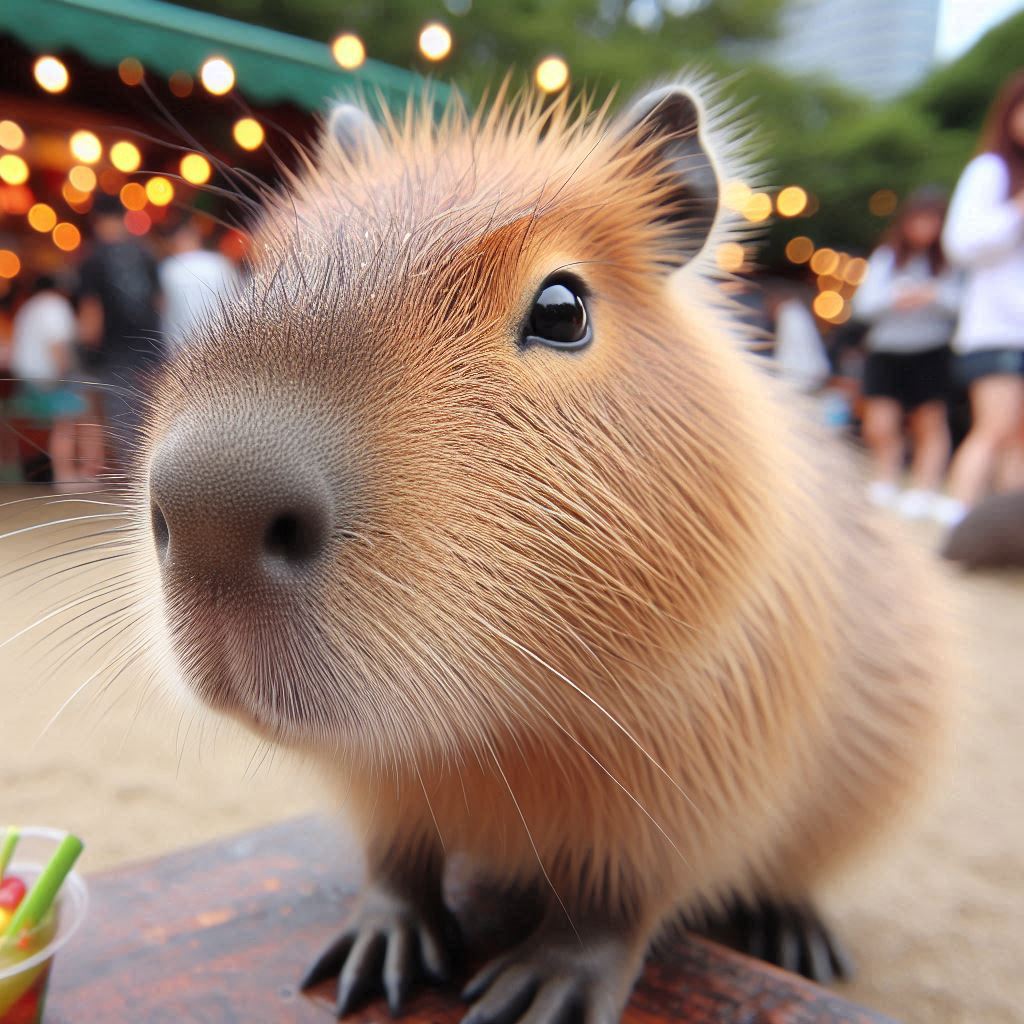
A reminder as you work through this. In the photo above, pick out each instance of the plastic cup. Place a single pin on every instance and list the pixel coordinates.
(23, 982)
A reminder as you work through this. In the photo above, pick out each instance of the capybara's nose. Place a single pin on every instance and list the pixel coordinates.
(237, 508)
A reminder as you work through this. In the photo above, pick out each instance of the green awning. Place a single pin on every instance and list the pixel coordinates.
(270, 66)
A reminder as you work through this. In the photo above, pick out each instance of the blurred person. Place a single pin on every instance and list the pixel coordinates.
(909, 300)
(43, 357)
(984, 234)
(119, 316)
(192, 279)
(799, 352)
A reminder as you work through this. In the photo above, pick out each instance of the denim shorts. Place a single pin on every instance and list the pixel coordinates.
(988, 362)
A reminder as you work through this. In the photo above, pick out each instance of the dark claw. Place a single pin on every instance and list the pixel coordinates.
(480, 982)
(436, 961)
(507, 998)
(361, 972)
(399, 968)
(558, 1002)
(791, 936)
(329, 962)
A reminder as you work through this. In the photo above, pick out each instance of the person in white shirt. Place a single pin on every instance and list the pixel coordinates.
(43, 358)
(909, 299)
(192, 280)
(984, 234)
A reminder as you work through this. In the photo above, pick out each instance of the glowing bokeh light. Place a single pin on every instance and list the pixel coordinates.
(13, 170)
(735, 195)
(758, 207)
(856, 270)
(348, 50)
(51, 74)
(435, 41)
(195, 168)
(125, 156)
(828, 305)
(791, 201)
(799, 249)
(825, 261)
(159, 191)
(133, 196)
(552, 74)
(66, 236)
(730, 257)
(42, 217)
(83, 178)
(86, 147)
(130, 71)
(248, 133)
(138, 222)
(11, 135)
(217, 76)
(181, 84)
(883, 202)
(10, 265)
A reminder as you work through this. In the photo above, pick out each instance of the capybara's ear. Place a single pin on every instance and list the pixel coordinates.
(352, 129)
(666, 122)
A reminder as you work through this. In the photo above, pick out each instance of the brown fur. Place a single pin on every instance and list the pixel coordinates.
(617, 622)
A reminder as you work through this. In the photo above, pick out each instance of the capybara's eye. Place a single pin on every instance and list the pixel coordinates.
(559, 316)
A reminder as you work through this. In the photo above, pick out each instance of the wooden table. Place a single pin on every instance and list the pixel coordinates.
(220, 934)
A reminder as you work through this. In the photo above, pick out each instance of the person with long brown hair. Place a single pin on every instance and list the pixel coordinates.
(909, 298)
(985, 235)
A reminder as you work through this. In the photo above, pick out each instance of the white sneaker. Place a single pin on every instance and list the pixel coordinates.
(883, 493)
(916, 503)
(948, 511)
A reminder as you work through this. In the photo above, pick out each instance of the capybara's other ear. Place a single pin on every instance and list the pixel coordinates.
(667, 123)
(353, 130)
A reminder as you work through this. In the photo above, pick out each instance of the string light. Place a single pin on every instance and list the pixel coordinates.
(791, 201)
(130, 71)
(138, 222)
(10, 265)
(435, 41)
(159, 191)
(828, 304)
(856, 270)
(758, 207)
(83, 178)
(66, 236)
(248, 133)
(735, 195)
(42, 217)
(217, 76)
(825, 261)
(799, 249)
(195, 168)
(133, 196)
(348, 50)
(11, 135)
(13, 170)
(181, 84)
(552, 74)
(51, 74)
(883, 202)
(730, 257)
(86, 147)
(125, 156)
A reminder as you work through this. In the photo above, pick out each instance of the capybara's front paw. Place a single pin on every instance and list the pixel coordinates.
(555, 979)
(389, 944)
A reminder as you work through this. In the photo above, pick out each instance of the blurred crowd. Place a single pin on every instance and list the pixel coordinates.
(940, 314)
(75, 350)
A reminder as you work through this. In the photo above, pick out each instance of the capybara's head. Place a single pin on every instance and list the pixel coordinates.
(459, 448)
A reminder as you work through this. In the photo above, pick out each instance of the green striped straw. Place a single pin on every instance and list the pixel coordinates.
(41, 896)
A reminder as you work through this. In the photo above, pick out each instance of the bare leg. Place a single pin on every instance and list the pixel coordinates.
(883, 433)
(930, 432)
(1010, 476)
(997, 409)
(62, 451)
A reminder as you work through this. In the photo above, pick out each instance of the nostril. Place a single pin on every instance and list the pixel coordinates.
(293, 537)
(161, 533)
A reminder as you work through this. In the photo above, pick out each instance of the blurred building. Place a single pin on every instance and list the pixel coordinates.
(876, 47)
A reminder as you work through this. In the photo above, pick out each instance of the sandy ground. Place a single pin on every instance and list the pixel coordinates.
(937, 926)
